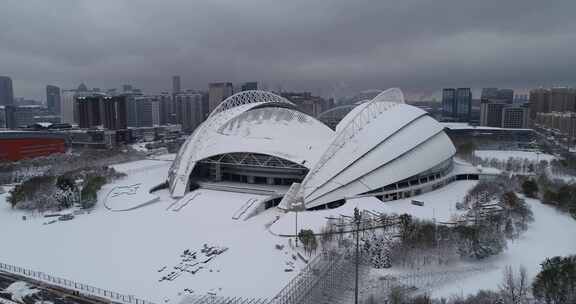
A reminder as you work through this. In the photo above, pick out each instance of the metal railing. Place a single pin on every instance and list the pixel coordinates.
(72, 285)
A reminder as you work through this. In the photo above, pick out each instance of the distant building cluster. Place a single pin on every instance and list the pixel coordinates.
(498, 109)
(108, 117)
(554, 109)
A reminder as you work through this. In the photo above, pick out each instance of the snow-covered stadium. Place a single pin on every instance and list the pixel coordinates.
(383, 148)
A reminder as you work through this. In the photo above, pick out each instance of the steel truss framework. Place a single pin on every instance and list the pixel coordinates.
(247, 97)
(178, 175)
(383, 102)
(253, 160)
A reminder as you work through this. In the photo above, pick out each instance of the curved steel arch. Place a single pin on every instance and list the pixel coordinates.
(378, 105)
(391, 95)
(338, 109)
(247, 97)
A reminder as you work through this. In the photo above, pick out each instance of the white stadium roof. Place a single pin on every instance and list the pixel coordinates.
(380, 142)
(254, 122)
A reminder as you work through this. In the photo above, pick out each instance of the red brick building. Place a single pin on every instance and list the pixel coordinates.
(16, 145)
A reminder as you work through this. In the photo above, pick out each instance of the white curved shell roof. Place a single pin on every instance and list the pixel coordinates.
(383, 142)
(380, 142)
(263, 125)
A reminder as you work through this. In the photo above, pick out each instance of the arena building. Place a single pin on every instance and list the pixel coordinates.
(382, 147)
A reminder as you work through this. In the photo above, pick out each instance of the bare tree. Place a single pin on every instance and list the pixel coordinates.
(514, 286)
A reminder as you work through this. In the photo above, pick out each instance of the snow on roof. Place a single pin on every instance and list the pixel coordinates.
(376, 134)
(466, 126)
(243, 125)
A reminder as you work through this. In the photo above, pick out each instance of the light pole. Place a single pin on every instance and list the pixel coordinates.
(357, 219)
(296, 227)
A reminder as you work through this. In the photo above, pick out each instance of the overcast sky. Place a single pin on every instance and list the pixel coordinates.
(320, 45)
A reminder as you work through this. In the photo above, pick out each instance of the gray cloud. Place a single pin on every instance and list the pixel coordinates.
(417, 45)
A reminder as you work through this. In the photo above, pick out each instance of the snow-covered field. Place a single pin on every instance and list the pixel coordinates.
(551, 234)
(124, 251)
(502, 155)
(439, 204)
(130, 252)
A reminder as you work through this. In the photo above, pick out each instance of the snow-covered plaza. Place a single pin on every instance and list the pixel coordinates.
(131, 251)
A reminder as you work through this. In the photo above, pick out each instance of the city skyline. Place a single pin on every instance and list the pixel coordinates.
(323, 47)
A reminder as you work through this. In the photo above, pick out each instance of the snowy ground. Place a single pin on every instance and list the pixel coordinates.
(502, 155)
(129, 252)
(551, 234)
(124, 251)
(439, 204)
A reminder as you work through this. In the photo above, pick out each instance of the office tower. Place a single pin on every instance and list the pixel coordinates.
(491, 113)
(53, 98)
(515, 117)
(99, 110)
(217, 92)
(247, 86)
(562, 100)
(68, 106)
(506, 95)
(539, 102)
(449, 102)
(6, 91)
(189, 111)
(176, 88)
(307, 103)
(166, 109)
(156, 111)
(2, 117)
(90, 109)
(463, 104)
(114, 112)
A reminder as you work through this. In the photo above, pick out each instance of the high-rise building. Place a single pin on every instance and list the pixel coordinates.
(515, 117)
(491, 113)
(99, 110)
(248, 86)
(307, 103)
(463, 104)
(90, 110)
(189, 111)
(176, 88)
(449, 102)
(562, 100)
(3, 117)
(539, 102)
(6, 91)
(166, 109)
(217, 92)
(53, 99)
(142, 107)
(457, 104)
(115, 112)
(68, 106)
(156, 111)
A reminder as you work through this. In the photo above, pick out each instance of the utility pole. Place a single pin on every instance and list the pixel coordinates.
(357, 219)
(296, 227)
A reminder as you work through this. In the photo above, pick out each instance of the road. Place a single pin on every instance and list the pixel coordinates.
(52, 294)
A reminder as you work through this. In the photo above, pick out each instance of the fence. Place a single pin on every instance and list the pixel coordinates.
(315, 281)
(212, 299)
(418, 282)
(115, 296)
(72, 285)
